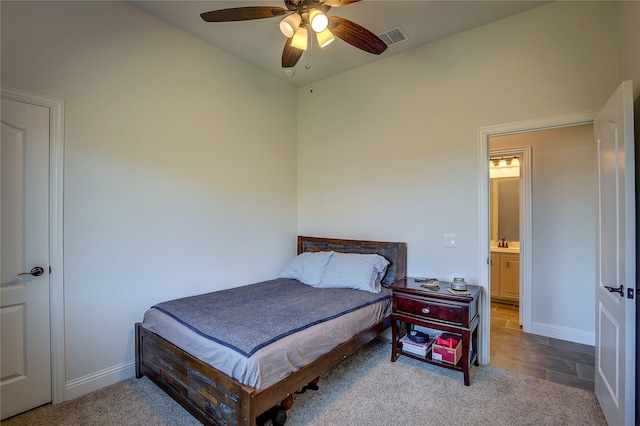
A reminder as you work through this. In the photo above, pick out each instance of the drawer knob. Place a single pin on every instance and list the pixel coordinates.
(426, 310)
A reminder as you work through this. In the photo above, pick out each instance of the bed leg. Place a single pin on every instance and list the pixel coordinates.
(287, 403)
(138, 344)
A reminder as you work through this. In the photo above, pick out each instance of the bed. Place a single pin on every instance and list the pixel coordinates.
(222, 396)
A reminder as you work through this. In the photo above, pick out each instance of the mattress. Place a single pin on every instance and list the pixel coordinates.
(271, 363)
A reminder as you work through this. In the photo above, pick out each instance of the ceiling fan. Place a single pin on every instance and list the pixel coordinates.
(299, 17)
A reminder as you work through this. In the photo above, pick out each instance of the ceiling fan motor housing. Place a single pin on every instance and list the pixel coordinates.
(305, 6)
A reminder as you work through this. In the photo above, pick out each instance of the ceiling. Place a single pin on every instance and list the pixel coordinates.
(260, 42)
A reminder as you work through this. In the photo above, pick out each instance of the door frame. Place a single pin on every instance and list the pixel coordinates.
(524, 229)
(56, 247)
(484, 134)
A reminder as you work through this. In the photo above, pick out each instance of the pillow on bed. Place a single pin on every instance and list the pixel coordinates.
(307, 267)
(354, 270)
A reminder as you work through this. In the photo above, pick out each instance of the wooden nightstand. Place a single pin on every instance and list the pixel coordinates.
(437, 310)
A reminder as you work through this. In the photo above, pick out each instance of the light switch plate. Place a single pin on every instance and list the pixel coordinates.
(451, 240)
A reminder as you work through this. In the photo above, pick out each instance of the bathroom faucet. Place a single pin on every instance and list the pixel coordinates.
(503, 243)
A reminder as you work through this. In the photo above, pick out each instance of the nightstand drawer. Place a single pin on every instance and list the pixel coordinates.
(456, 314)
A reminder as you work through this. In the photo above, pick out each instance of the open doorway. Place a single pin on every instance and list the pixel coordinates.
(553, 318)
(556, 242)
(510, 222)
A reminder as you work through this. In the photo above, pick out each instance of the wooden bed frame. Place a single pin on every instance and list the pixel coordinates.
(213, 397)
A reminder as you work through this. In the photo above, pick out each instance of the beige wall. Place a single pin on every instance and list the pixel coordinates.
(563, 222)
(629, 33)
(397, 156)
(179, 177)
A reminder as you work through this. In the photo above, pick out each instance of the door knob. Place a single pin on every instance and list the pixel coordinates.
(616, 290)
(36, 271)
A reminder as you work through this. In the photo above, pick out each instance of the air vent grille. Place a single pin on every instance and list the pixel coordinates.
(394, 36)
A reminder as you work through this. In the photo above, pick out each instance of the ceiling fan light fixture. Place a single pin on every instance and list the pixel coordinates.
(318, 20)
(290, 24)
(299, 40)
(325, 38)
(300, 17)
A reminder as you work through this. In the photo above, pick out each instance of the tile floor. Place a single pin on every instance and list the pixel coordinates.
(547, 358)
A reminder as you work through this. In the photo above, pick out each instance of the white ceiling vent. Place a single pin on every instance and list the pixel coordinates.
(394, 36)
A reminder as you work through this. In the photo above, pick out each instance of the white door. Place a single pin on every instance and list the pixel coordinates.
(25, 380)
(615, 259)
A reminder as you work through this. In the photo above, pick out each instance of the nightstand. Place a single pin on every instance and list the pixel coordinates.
(437, 310)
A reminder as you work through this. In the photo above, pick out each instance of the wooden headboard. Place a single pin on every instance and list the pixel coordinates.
(396, 253)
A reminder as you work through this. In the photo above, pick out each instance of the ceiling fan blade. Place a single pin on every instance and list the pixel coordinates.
(338, 3)
(356, 35)
(290, 55)
(243, 13)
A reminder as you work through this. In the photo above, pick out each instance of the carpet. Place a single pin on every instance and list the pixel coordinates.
(365, 389)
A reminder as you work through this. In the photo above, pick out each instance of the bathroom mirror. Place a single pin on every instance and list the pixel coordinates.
(505, 209)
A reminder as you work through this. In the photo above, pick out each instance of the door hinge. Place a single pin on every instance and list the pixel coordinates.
(629, 293)
(49, 270)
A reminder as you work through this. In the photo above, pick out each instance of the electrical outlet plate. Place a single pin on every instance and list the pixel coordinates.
(451, 240)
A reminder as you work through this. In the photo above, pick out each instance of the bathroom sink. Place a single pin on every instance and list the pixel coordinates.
(495, 249)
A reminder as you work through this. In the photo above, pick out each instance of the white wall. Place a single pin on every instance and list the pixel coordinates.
(398, 159)
(563, 236)
(179, 175)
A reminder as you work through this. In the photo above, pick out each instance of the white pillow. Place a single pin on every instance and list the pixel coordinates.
(354, 270)
(307, 267)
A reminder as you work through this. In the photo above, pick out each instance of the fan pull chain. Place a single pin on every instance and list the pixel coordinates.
(310, 66)
(311, 84)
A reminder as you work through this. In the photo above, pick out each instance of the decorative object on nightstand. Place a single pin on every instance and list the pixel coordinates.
(452, 314)
(458, 284)
(428, 283)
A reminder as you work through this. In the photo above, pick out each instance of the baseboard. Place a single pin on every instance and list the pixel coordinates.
(564, 333)
(99, 379)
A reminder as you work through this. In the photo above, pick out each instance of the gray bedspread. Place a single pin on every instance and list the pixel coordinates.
(248, 318)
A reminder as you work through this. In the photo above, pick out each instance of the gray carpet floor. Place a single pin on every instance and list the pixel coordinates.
(365, 389)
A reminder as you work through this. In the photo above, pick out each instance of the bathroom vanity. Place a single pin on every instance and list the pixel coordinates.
(505, 274)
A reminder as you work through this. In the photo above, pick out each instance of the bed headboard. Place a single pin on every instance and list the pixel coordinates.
(396, 253)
